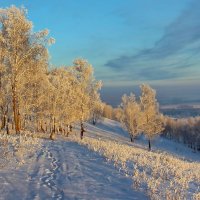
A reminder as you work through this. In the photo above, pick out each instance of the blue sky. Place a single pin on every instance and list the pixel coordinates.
(127, 41)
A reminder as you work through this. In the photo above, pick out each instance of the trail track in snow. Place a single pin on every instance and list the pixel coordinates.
(66, 170)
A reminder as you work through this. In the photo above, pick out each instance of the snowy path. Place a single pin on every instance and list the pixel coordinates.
(65, 170)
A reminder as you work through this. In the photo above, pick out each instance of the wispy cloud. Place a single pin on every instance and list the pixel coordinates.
(172, 55)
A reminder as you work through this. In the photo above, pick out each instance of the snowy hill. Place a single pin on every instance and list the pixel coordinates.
(112, 129)
(63, 169)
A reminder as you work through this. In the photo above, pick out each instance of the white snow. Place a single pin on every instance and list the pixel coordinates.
(66, 170)
(112, 130)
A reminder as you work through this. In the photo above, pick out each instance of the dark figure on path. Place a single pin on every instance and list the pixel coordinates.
(70, 128)
(82, 131)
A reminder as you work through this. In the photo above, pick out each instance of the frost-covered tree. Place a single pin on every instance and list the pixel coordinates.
(186, 130)
(34, 91)
(96, 112)
(87, 88)
(131, 117)
(74, 95)
(107, 111)
(117, 114)
(83, 73)
(62, 98)
(22, 50)
(31, 95)
(4, 87)
(96, 105)
(152, 123)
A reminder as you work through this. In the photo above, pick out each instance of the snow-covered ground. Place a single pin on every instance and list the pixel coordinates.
(63, 169)
(169, 171)
(112, 130)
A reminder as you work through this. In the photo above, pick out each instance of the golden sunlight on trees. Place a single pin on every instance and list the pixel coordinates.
(151, 119)
(37, 101)
(23, 52)
(87, 89)
(32, 96)
(107, 111)
(142, 116)
(131, 115)
(184, 130)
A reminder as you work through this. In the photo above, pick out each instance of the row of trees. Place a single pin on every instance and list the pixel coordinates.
(108, 111)
(138, 116)
(35, 98)
(186, 130)
(141, 116)
(31, 95)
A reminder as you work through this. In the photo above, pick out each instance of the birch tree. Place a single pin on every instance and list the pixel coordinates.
(151, 124)
(4, 86)
(96, 106)
(87, 88)
(118, 113)
(107, 111)
(22, 46)
(131, 116)
(62, 97)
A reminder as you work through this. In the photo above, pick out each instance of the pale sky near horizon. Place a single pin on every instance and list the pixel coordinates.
(127, 41)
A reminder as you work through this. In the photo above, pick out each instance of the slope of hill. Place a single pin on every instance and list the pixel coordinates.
(112, 130)
(170, 171)
(63, 169)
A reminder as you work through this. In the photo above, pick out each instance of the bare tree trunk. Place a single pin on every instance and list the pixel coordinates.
(3, 121)
(7, 126)
(37, 122)
(54, 125)
(149, 145)
(12, 125)
(3, 118)
(82, 131)
(19, 121)
(131, 137)
(94, 119)
(52, 136)
(24, 124)
(42, 128)
(70, 128)
(46, 126)
(16, 113)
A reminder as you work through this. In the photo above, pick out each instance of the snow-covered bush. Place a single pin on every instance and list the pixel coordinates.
(15, 149)
(161, 175)
(186, 130)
